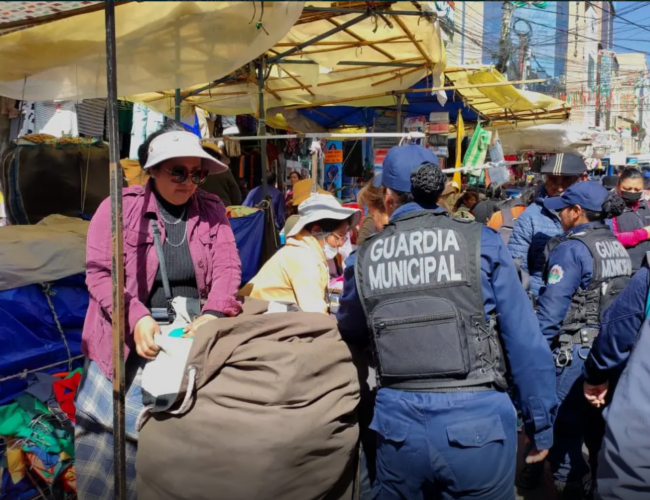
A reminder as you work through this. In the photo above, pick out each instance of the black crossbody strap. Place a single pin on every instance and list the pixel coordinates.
(163, 267)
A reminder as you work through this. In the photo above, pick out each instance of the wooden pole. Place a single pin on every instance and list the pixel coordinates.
(117, 260)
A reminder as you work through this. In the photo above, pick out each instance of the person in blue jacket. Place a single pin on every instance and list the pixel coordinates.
(623, 345)
(537, 224)
(440, 302)
(587, 267)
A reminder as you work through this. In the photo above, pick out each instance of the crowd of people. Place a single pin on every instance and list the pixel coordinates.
(470, 317)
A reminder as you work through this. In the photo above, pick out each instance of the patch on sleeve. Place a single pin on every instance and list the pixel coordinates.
(555, 275)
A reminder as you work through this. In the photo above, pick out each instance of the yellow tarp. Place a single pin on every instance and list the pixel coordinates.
(493, 102)
(160, 45)
(371, 40)
(509, 97)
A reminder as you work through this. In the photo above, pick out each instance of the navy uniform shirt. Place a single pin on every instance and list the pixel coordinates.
(570, 267)
(529, 357)
(621, 324)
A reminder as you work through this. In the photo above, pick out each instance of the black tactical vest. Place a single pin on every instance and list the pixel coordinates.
(612, 271)
(420, 286)
(631, 220)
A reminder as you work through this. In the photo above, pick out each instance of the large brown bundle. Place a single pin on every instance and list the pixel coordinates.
(273, 417)
(45, 179)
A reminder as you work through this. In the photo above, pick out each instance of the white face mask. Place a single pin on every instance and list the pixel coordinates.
(330, 251)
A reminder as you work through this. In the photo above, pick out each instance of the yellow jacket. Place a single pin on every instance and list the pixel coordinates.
(297, 274)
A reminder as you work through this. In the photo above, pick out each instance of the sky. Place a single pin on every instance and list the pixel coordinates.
(628, 35)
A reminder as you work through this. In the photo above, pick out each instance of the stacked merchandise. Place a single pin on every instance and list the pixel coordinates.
(43, 302)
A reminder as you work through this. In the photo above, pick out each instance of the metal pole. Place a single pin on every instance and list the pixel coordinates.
(177, 104)
(261, 131)
(117, 261)
(321, 135)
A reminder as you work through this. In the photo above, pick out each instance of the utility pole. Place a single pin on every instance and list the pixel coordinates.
(504, 43)
(524, 47)
(523, 50)
(598, 90)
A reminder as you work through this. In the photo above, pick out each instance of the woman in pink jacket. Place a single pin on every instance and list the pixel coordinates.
(202, 267)
(632, 228)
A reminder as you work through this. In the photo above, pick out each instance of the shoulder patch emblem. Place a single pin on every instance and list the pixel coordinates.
(555, 275)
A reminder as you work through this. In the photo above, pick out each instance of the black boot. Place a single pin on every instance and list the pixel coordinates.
(530, 477)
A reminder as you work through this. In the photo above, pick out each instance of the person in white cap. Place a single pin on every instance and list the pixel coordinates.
(171, 218)
(298, 273)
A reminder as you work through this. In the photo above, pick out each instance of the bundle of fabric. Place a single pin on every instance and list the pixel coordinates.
(272, 414)
(36, 432)
(65, 177)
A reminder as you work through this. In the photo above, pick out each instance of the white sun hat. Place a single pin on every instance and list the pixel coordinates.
(320, 207)
(178, 144)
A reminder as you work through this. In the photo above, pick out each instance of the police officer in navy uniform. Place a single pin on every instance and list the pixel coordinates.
(537, 224)
(587, 267)
(623, 345)
(440, 301)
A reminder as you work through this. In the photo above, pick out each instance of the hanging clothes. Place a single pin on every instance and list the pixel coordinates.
(145, 123)
(56, 118)
(233, 148)
(91, 116)
(29, 126)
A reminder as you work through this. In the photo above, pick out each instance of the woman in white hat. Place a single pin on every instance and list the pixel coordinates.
(298, 273)
(168, 217)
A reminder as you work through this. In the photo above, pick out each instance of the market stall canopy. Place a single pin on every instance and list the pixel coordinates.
(328, 55)
(160, 45)
(504, 103)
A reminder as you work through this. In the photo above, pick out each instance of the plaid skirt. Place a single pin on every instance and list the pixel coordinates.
(94, 463)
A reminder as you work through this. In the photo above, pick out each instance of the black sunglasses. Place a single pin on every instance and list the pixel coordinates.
(180, 173)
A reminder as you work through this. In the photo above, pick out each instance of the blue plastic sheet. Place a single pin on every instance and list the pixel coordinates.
(29, 334)
(249, 236)
(419, 104)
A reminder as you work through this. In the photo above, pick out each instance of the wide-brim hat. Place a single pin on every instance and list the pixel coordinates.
(320, 207)
(302, 191)
(212, 147)
(181, 145)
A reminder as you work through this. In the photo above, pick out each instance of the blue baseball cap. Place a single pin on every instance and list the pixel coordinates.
(590, 195)
(398, 165)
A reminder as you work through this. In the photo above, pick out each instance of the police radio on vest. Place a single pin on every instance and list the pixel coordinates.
(417, 258)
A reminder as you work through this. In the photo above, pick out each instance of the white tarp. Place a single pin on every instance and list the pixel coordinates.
(556, 138)
(160, 45)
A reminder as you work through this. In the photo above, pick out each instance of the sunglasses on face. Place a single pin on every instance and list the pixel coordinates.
(180, 173)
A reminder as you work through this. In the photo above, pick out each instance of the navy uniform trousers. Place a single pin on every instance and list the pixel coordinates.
(444, 445)
(577, 423)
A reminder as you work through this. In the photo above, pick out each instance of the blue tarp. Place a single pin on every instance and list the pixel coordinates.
(30, 337)
(249, 235)
(420, 104)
